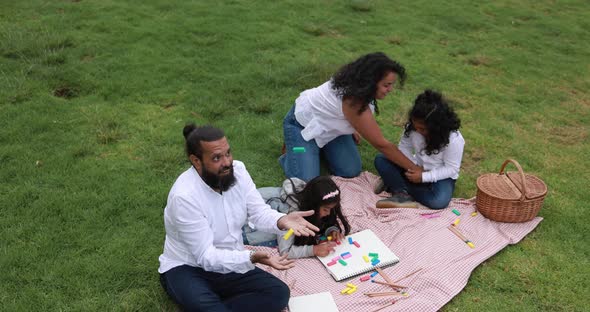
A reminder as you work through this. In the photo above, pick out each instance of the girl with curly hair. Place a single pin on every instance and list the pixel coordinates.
(331, 119)
(431, 140)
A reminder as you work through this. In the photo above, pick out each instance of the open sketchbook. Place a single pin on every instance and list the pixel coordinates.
(322, 302)
(368, 243)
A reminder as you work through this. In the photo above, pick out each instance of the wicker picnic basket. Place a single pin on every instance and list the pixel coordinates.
(510, 196)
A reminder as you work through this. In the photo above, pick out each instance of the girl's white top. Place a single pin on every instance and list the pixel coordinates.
(444, 165)
(319, 111)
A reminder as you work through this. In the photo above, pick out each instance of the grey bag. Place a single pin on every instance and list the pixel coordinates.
(287, 193)
(281, 199)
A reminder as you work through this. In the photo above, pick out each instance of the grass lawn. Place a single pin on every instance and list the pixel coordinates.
(94, 95)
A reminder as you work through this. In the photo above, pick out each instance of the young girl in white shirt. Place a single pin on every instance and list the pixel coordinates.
(322, 195)
(432, 141)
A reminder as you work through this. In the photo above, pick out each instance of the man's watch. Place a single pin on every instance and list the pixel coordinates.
(252, 252)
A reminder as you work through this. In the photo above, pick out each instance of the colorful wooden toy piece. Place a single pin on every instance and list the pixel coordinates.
(374, 273)
(298, 149)
(366, 259)
(356, 244)
(455, 211)
(350, 240)
(343, 262)
(288, 234)
(365, 278)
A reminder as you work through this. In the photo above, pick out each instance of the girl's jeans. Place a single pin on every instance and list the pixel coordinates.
(435, 195)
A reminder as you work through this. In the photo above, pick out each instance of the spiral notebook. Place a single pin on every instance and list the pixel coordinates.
(368, 243)
(321, 302)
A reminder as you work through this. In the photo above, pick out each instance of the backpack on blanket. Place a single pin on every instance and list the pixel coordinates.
(288, 190)
(281, 199)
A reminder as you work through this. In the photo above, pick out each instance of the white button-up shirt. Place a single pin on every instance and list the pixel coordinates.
(446, 164)
(204, 227)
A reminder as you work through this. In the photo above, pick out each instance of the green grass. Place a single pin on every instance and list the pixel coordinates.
(94, 94)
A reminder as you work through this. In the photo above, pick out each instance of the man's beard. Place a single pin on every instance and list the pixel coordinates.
(218, 181)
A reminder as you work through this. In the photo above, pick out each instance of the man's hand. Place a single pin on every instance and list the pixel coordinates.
(323, 249)
(277, 262)
(295, 221)
(415, 176)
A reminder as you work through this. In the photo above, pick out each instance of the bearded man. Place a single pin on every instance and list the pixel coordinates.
(204, 266)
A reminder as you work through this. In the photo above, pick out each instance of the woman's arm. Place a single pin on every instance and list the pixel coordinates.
(406, 147)
(367, 126)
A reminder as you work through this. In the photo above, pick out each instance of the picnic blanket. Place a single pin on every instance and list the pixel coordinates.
(426, 244)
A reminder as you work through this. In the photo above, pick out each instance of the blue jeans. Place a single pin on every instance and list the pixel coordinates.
(435, 195)
(271, 196)
(198, 290)
(341, 154)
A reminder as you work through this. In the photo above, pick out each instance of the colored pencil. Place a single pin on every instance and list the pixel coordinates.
(461, 236)
(409, 275)
(389, 284)
(384, 306)
(383, 294)
(385, 276)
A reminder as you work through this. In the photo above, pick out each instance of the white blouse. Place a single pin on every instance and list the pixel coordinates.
(319, 111)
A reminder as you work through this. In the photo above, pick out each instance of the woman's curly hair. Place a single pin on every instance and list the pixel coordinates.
(439, 118)
(359, 79)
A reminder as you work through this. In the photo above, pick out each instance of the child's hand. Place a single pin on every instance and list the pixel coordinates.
(337, 236)
(323, 249)
(277, 262)
(334, 233)
(415, 176)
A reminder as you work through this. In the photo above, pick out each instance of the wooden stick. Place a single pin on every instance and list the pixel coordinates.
(389, 284)
(385, 276)
(458, 233)
(384, 306)
(382, 293)
(409, 275)
(461, 236)
(385, 293)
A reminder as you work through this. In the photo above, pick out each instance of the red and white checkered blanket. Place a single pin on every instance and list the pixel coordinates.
(421, 243)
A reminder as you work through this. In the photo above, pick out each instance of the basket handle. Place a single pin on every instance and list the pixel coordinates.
(520, 173)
